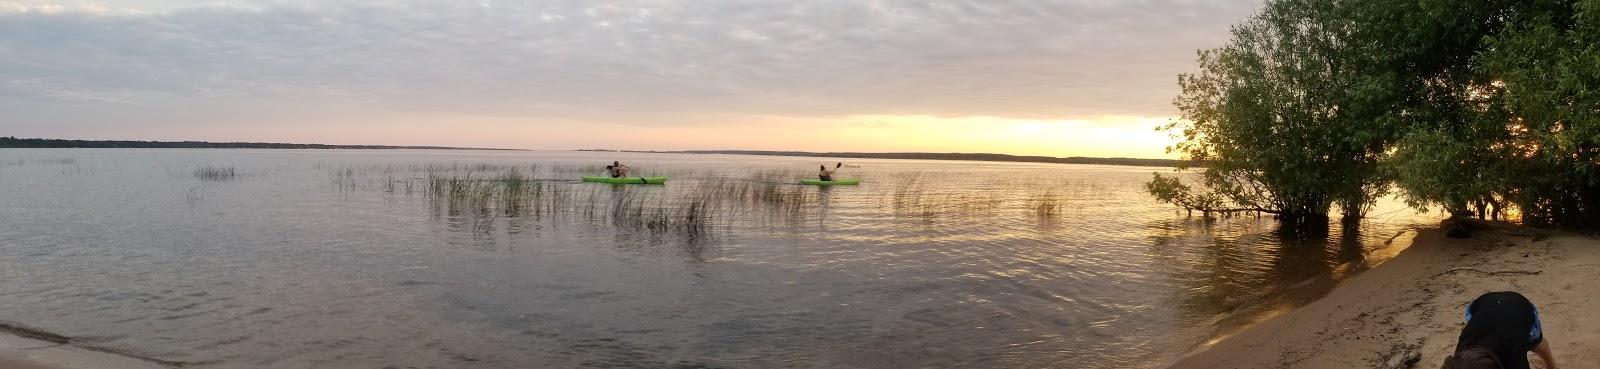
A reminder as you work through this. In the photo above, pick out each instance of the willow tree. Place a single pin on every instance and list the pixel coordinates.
(1291, 116)
(1453, 154)
(1505, 93)
(1548, 62)
(1465, 105)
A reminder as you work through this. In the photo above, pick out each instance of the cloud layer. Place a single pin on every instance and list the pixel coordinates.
(611, 61)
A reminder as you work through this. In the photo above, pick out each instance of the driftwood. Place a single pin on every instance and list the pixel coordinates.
(60, 340)
(1401, 356)
(1495, 272)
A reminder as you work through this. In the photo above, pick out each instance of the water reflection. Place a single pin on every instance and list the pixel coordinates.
(501, 260)
(1248, 270)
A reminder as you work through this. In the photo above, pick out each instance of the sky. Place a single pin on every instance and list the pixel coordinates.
(1054, 78)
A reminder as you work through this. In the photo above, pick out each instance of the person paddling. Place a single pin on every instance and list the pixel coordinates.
(1502, 327)
(827, 174)
(617, 169)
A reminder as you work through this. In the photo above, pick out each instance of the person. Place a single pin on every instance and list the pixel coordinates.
(617, 169)
(827, 174)
(1501, 328)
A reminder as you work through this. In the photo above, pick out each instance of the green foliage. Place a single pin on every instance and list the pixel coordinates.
(1549, 65)
(1463, 105)
(1436, 168)
(1172, 190)
(1289, 114)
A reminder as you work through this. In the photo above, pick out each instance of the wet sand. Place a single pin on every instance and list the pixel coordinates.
(1414, 304)
(19, 352)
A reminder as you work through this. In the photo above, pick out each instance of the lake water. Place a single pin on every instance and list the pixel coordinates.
(480, 259)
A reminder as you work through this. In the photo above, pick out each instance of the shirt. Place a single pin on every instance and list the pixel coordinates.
(1505, 323)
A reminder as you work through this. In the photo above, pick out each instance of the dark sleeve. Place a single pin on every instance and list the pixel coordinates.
(1535, 334)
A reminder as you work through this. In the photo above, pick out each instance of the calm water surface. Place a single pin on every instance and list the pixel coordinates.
(429, 259)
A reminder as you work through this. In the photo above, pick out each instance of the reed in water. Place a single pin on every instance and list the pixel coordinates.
(215, 174)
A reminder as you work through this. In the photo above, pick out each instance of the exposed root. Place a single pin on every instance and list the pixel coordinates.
(1496, 272)
(60, 340)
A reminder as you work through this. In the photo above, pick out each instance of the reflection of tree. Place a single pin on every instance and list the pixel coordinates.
(1235, 270)
(824, 203)
(1351, 246)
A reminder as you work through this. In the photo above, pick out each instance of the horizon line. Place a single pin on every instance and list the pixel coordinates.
(325, 146)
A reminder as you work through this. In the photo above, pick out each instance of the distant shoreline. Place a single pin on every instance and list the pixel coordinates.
(937, 156)
(45, 143)
(49, 143)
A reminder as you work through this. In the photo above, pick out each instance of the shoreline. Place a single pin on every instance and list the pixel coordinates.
(972, 157)
(27, 348)
(1412, 305)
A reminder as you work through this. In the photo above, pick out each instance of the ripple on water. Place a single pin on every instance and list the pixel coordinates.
(326, 260)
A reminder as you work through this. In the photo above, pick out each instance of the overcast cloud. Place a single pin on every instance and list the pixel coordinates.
(71, 64)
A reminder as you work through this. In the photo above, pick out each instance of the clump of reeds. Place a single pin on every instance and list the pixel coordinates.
(911, 199)
(690, 210)
(511, 193)
(639, 210)
(392, 185)
(56, 161)
(514, 190)
(1047, 205)
(697, 211)
(787, 201)
(462, 193)
(215, 174)
(691, 214)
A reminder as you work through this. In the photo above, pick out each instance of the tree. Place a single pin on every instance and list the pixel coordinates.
(1289, 114)
(1503, 108)
(1453, 153)
(1471, 106)
(1548, 62)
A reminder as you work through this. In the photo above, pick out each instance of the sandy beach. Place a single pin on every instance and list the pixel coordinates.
(1414, 303)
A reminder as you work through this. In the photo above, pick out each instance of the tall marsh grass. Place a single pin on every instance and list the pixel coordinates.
(696, 208)
(1046, 205)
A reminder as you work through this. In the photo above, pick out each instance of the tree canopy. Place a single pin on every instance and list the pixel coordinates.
(1482, 105)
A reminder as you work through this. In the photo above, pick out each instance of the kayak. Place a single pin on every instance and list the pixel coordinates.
(841, 182)
(626, 180)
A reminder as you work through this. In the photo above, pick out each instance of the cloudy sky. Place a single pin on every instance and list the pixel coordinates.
(1059, 78)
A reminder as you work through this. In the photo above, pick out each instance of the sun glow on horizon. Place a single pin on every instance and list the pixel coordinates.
(1109, 136)
(1106, 136)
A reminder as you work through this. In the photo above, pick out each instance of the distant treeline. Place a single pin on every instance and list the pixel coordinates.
(42, 143)
(944, 156)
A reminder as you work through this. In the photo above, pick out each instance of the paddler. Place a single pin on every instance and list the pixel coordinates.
(826, 174)
(617, 169)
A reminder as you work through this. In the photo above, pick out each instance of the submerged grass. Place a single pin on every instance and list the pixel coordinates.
(215, 174)
(705, 206)
(1047, 205)
(696, 206)
(39, 161)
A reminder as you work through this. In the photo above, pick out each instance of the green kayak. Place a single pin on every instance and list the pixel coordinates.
(841, 182)
(626, 180)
